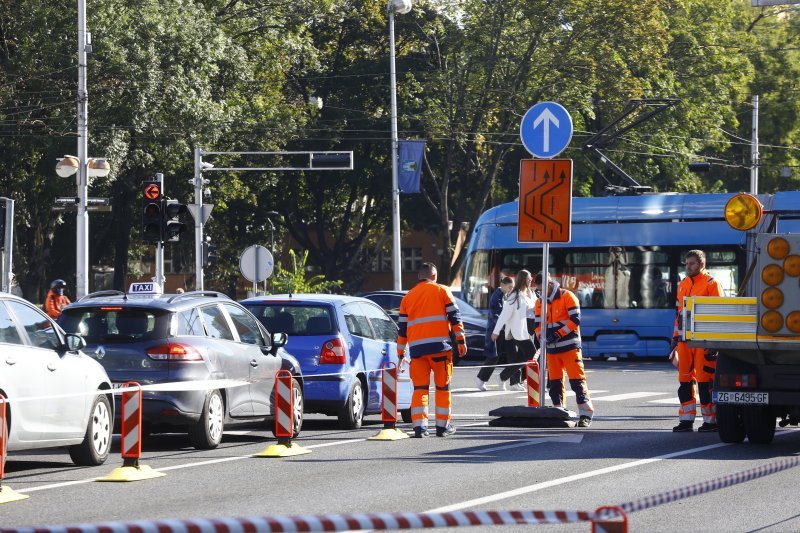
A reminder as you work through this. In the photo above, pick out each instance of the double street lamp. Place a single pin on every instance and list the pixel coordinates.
(401, 7)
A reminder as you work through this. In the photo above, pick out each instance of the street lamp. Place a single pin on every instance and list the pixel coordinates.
(272, 230)
(94, 167)
(401, 7)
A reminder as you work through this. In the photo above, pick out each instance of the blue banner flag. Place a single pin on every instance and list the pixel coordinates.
(410, 168)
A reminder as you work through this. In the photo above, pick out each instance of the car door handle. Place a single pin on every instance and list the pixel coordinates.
(11, 361)
(254, 363)
(51, 366)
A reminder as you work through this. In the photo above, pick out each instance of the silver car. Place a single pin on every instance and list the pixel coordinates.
(57, 396)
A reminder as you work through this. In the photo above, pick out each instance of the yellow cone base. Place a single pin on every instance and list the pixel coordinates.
(389, 434)
(132, 473)
(283, 450)
(7, 495)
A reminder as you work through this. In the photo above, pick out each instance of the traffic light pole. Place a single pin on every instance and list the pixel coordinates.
(160, 278)
(8, 244)
(198, 218)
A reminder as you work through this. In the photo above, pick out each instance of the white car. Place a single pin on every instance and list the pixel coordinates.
(57, 396)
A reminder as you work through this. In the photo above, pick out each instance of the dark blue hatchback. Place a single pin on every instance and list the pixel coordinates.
(341, 343)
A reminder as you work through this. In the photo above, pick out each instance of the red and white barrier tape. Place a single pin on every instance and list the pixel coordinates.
(708, 486)
(328, 522)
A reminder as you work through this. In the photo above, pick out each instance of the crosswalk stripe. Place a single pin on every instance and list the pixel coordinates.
(626, 396)
(667, 401)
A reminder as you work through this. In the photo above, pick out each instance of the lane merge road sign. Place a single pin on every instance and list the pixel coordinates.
(546, 129)
(545, 200)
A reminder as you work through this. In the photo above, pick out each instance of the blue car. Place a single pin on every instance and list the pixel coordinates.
(341, 343)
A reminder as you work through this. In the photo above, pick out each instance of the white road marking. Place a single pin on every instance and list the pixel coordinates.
(470, 504)
(490, 393)
(667, 401)
(573, 439)
(626, 396)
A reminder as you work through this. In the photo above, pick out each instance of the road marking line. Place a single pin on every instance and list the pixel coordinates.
(573, 439)
(489, 393)
(176, 467)
(627, 396)
(577, 477)
(668, 401)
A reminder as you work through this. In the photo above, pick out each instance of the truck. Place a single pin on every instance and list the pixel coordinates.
(755, 335)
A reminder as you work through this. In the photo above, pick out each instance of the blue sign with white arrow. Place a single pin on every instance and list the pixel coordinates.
(546, 129)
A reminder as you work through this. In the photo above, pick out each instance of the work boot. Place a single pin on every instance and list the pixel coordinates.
(420, 433)
(708, 428)
(480, 384)
(584, 422)
(683, 427)
(445, 431)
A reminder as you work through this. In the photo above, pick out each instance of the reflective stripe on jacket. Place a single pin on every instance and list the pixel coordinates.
(427, 315)
(563, 317)
(703, 284)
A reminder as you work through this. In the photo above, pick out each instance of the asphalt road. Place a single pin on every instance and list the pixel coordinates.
(629, 452)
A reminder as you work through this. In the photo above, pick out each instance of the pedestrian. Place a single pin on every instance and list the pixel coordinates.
(494, 350)
(695, 365)
(428, 313)
(563, 337)
(56, 300)
(514, 318)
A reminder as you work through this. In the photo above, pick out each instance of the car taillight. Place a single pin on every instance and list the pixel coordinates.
(738, 381)
(333, 352)
(174, 352)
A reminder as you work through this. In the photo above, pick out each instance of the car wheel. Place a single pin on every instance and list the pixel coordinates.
(352, 413)
(759, 423)
(406, 415)
(729, 420)
(96, 443)
(298, 409)
(206, 433)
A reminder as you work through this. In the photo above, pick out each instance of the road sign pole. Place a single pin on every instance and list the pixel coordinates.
(198, 218)
(543, 330)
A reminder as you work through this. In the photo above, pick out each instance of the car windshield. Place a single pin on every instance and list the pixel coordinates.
(467, 310)
(115, 324)
(300, 320)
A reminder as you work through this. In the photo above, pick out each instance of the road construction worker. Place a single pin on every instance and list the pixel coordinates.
(563, 337)
(56, 300)
(694, 364)
(428, 313)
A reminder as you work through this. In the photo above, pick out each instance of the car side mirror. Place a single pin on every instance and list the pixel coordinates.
(279, 339)
(75, 342)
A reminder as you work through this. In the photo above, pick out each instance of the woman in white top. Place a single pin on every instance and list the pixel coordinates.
(513, 317)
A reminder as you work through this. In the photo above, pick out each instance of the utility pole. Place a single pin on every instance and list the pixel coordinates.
(82, 220)
(160, 278)
(754, 149)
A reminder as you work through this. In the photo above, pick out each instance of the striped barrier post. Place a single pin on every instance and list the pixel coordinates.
(6, 494)
(131, 438)
(284, 418)
(389, 404)
(610, 519)
(532, 379)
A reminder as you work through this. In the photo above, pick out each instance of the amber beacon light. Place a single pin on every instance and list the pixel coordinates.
(743, 212)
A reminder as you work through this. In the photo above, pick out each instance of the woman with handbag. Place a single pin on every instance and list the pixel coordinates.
(514, 318)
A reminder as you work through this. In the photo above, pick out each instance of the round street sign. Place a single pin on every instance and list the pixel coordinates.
(152, 191)
(256, 263)
(546, 129)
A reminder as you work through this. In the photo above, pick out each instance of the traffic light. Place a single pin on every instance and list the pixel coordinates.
(699, 166)
(173, 227)
(152, 212)
(209, 254)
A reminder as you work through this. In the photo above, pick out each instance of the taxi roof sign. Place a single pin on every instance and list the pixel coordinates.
(146, 288)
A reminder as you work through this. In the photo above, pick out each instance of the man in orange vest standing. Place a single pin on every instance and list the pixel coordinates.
(428, 313)
(56, 300)
(694, 364)
(563, 337)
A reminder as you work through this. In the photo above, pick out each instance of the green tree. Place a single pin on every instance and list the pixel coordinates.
(295, 280)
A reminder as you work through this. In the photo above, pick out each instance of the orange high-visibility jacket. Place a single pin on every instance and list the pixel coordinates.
(703, 284)
(427, 315)
(563, 317)
(54, 303)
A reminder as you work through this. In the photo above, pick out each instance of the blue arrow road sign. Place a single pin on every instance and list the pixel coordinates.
(546, 129)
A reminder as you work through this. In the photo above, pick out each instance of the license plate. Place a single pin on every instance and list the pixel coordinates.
(757, 398)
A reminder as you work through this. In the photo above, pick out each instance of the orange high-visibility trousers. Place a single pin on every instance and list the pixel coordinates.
(441, 364)
(695, 364)
(570, 362)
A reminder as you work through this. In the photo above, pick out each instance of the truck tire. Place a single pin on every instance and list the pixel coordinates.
(729, 420)
(759, 423)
